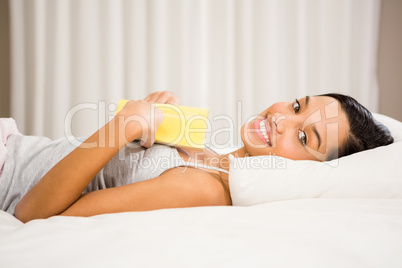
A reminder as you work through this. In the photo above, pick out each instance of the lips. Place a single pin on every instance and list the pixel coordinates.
(263, 130)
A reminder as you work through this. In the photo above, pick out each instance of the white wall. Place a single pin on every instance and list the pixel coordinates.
(390, 59)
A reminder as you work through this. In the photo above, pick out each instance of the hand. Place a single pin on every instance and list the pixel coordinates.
(163, 97)
(140, 120)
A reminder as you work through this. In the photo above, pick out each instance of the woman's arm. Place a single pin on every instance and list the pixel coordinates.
(65, 182)
(173, 189)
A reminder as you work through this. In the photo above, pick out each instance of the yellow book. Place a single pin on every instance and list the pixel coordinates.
(182, 126)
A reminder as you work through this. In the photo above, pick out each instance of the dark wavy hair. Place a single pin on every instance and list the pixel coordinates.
(365, 132)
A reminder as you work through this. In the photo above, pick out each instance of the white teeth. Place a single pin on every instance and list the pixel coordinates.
(264, 131)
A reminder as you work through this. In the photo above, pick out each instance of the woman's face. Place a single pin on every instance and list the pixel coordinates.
(310, 128)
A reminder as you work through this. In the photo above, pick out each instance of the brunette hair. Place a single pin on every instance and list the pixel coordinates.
(365, 132)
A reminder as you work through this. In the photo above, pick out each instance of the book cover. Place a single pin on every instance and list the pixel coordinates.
(182, 126)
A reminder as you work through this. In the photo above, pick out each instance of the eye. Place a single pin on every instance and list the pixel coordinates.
(296, 106)
(302, 137)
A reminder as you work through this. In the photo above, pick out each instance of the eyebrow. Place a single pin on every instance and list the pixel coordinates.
(307, 100)
(314, 128)
(318, 136)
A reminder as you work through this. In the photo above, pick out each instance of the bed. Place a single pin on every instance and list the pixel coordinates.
(324, 231)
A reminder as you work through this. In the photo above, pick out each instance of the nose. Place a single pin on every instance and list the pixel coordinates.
(284, 122)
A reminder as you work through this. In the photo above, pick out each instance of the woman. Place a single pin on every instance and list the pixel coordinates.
(316, 128)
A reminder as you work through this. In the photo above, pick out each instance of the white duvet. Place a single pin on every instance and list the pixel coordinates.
(298, 233)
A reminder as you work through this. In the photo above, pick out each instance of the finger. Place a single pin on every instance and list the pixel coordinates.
(152, 97)
(162, 99)
(147, 142)
(173, 100)
(159, 97)
(167, 97)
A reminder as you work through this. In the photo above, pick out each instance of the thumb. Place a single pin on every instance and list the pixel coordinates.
(147, 141)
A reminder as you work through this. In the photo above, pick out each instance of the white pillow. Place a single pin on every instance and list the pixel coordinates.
(375, 173)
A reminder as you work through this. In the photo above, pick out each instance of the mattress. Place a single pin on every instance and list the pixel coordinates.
(294, 233)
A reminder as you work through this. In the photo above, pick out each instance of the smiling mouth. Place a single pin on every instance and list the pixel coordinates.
(264, 130)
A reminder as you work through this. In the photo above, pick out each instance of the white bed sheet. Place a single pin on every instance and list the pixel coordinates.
(296, 233)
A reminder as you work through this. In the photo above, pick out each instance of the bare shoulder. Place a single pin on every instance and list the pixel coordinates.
(207, 187)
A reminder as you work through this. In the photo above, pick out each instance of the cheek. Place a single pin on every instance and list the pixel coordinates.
(278, 107)
(289, 149)
(242, 129)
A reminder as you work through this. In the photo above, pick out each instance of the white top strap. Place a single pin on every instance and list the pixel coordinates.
(203, 166)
